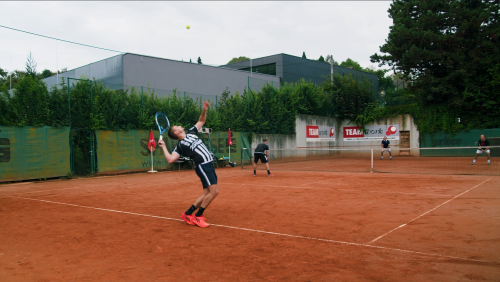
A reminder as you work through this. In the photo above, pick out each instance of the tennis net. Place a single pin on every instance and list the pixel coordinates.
(449, 160)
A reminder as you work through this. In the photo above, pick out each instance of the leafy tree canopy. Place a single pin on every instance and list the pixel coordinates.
(199, 60)
(238, 59)
(445, 47)
(351, 63)
(304, 55)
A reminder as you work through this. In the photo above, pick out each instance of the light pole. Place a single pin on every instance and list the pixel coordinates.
(331, 67)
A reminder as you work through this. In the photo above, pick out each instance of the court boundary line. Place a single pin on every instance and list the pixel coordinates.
(332, 189)
(269, 232)
(403, 225)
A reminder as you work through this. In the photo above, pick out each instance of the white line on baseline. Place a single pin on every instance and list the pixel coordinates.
(319, 188)
(403, 225)
(393, 192)
(260, 185)
(268, 232)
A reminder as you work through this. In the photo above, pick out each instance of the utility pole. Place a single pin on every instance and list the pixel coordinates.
(331, 66)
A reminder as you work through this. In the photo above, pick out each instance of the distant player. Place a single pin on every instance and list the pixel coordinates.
(483, 143)
(261, 153)
(191, 146)
(386, 146)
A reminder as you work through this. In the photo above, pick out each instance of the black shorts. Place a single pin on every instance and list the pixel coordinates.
(206, 173)
(261, 157)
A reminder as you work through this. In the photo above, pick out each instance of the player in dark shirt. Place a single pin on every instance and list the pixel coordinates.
(483, 148)
(191, 146)
(261, 153)
(386, 146)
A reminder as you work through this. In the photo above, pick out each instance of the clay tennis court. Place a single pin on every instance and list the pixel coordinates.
(297, 226)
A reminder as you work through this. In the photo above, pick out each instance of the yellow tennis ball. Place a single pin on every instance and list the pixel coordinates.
(187, 26)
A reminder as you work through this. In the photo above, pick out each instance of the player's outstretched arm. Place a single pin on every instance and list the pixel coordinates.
(203, 116)
(169, 157)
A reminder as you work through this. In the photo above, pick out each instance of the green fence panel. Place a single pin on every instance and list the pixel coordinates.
(33, 152)
(460, 139)
(219, 141)
(122, 151)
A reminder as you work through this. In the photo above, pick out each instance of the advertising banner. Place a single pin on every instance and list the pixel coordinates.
(319, 133)
(33, 152)
(371, 132)
(121, 151)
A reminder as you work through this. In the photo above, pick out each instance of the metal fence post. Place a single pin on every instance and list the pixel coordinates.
(92, 164)
(69, 105)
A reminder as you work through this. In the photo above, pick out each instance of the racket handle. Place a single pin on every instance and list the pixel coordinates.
(161, 137)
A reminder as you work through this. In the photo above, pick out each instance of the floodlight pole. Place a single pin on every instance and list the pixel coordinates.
(331, 67)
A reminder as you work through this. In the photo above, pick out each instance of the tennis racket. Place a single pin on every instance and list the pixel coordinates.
(270, 158)
(162, 122)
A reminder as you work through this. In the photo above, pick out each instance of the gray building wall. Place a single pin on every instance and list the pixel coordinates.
(291, 69)
(165, 75)
(109, 71)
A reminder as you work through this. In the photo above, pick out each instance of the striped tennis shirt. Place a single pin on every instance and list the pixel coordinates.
(193, 148)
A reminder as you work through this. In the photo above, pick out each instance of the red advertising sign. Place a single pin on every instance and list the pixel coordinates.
(353, 132)
(312, 131)
(319, 133)
(371, 132)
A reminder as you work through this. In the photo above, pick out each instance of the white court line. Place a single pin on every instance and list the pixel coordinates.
(394, 192)
(319, 188)
(268, 232)
(259, 185)
(39, 191)
(403, 225)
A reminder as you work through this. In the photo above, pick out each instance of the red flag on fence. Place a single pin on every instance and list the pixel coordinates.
(229, 142)
(151, 142)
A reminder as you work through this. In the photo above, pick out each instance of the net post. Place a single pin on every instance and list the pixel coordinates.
(371, 171)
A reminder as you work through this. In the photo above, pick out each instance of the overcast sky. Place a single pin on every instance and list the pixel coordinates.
(219, 30)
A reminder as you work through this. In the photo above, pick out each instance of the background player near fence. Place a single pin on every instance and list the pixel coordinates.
(483, 143)
(386, 146)
(261, 153)
(191, 146)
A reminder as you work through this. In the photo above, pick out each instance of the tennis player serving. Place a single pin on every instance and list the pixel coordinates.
(191, 146)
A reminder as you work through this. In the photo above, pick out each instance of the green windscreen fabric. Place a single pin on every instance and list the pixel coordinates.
(122, 151)
(33, 152)
(460, 139)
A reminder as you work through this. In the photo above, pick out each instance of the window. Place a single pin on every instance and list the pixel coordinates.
(265, 69)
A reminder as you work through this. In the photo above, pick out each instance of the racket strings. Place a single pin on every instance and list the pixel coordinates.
(163, 122)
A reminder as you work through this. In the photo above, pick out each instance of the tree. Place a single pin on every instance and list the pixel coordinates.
(348, 96)
(351, 63)
(304, 55)
(321, 59)
(190, 60)
(239, 59)
(447, 49)
(199, 60)
(31, 67)
(335, 63)
(47, 73)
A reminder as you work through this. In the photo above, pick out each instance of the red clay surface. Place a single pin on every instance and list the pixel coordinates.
(399, 164)
(297, 226)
